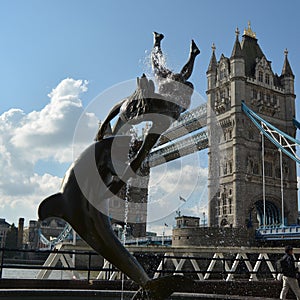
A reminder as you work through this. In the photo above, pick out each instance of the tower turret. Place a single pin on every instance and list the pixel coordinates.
(235, 187)
(287, 76)
(237, 70)
(212, 69)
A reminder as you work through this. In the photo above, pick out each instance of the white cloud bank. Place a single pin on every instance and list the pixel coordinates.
(45, 135)
(46, 138)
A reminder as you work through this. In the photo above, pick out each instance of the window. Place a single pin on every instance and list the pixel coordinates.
(224, 199)
(225, 168)
(260, 76)
(254, 94)
(278, 172)
(251, 135)
(255, 168)
(267, 79)
(268, 98)
(224, 202)
(268, 169)
(222, 94)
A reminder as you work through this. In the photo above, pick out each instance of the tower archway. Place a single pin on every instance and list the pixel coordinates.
(273, 214)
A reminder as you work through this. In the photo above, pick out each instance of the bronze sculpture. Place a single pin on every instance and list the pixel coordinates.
(103, 169)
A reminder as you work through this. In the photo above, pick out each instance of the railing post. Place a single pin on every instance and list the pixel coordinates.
(89, 267)
(2, 261)
(224, 269)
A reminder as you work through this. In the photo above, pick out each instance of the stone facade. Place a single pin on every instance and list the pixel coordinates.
(188, 232)
(235, 180)
(212, 237)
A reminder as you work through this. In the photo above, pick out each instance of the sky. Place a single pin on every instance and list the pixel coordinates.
(64, 64)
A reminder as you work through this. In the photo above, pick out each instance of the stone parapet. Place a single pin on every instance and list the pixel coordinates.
(212, 236)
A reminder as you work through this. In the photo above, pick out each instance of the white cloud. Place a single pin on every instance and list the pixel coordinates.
(51, 130)
(41, 135)
(48, 136)
(168, 182)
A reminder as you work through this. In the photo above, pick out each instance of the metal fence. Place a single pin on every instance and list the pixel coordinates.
(222, 264)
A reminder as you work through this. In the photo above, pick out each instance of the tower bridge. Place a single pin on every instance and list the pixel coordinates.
(252, 181)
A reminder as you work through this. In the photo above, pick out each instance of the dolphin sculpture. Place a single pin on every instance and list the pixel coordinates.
(103, 169)
(80, 203)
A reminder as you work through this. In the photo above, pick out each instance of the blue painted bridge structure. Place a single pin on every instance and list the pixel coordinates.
(188, 135)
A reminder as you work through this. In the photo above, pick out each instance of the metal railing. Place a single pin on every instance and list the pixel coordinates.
(226, 265)
(21, 259)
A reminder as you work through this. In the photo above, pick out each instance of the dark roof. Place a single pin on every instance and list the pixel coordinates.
(237, 50)
(251, 51)
(287, 70)
(213, 62)
(3, 223)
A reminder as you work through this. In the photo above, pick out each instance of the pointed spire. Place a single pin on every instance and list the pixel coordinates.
(286, 70)
(237, 50)
(213, 61)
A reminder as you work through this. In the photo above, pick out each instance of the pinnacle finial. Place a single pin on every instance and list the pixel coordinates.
(248, 31)
(213, 47)
(286, 52)
(237, 32)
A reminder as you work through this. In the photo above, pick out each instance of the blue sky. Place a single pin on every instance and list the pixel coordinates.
(59, 56)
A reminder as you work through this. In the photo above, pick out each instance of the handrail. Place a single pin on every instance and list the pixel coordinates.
(204, 265)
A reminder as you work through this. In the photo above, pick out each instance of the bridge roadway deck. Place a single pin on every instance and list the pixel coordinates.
(188, 122)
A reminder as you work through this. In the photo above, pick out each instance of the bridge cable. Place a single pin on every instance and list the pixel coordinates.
(281, 186)
(279, 138)
(282, 141)
(263, 175)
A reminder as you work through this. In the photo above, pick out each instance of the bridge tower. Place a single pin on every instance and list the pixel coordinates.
(235, 183)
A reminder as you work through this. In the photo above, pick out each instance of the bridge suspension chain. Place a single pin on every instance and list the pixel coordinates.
(280, 139)
(62, 236)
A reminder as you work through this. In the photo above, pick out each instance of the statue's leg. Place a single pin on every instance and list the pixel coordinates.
(157, 39)
(152, 137)
(157, 57)
(150, 140)
(187, 69)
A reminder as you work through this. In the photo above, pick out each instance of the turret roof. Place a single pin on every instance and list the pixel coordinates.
(237, 50)
(213, 61)
(286, 69)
